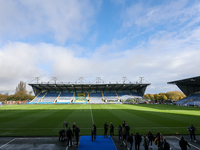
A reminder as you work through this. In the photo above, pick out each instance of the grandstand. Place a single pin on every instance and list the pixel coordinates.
(65, 98)
(96, 98)
(38, 98)
(49, 98)
(83, 93)
(191, 88)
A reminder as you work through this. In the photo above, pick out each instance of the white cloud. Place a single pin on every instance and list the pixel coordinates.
(58, 20)
(170, 14)
(21, 61)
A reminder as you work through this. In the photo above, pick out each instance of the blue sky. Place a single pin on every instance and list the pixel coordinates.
(68, 39)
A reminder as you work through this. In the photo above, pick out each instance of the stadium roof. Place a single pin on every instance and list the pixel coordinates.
(188, 86)
(139, 87)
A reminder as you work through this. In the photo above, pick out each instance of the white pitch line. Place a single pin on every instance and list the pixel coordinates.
(91, 114)
(7, 143)
(190, 144)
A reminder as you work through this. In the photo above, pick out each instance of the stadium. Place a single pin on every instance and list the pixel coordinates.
(36, 125)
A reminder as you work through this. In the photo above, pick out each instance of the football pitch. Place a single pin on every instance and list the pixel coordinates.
(47, 120)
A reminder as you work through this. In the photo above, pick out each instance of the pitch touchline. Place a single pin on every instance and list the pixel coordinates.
(91, 114)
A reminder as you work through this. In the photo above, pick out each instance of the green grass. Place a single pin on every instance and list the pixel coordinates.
(47, 120)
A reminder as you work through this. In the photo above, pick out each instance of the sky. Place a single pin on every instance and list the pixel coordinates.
(111, 39)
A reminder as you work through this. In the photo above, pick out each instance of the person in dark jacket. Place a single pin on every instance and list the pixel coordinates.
(111, 130)
(65, 124)
(73, 129)
(166, 145)
(69, 136)
(145, 142)
(77, 130)
(127, 129)
(105, 129)
(94, 132)
(138, 140)
(124, 123)
(192, 130)
(150, 137)
(124, 137)
(120, 132)
(130, 140)
(62, 135)
(183, 144)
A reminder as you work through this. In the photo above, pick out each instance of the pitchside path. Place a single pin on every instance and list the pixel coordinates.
(52, 143)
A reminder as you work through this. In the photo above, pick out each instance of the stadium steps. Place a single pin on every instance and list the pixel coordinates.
(35, 97)
(57, 98)
(103, 96)
(42, 98)
(132, 95)
(117, 95)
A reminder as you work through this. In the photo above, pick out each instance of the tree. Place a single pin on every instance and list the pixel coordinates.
(146, 96)
(164, 97)
(151, 96)
(21, 87)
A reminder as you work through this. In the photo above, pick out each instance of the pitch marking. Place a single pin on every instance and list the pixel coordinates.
(91, 114)
(7, 143)
(190, 143)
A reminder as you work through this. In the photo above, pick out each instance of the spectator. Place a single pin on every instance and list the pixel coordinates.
(145, 142)
(73, 129)
(94, 132)
(77, 130)
(157, 139)
(124, 137)
(111, 130)
(62, 135)
(123, 125)
(192, 130)
(150, 137)
(65, 124)
(120, 132)
(127, 129)
(130, 140)
(166, 145)
(138, 140)
(183, 144)
(105, 129)
(160, 143)
(69, 136)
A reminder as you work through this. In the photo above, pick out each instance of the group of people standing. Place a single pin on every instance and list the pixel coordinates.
(69, 133)
(124, 136)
